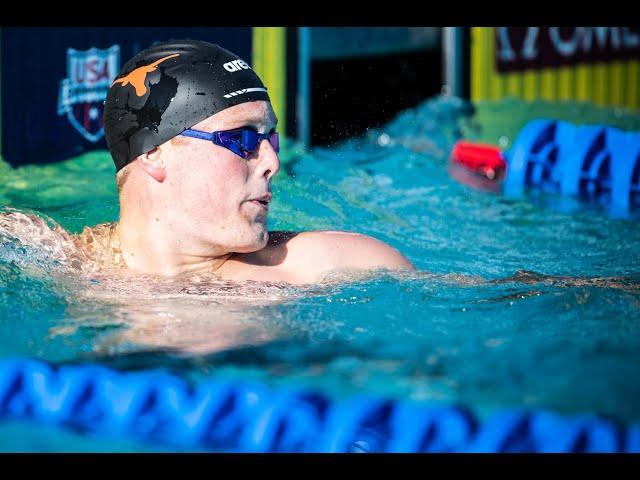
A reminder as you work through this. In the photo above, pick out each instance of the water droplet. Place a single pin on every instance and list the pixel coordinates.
(383, 140)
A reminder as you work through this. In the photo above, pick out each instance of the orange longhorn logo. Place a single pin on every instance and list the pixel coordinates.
(138, 76)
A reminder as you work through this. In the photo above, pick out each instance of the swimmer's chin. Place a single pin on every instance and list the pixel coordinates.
(258, 244)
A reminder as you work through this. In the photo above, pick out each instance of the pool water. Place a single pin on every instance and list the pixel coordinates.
(516, 302)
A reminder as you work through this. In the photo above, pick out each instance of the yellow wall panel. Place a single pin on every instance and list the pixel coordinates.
(269, 62)
(616, 83)
(548, 84)
(632, 97)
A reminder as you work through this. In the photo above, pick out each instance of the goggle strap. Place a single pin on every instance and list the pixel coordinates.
(199, 134)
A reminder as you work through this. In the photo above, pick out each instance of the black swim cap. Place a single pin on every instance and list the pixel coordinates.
(170, 87)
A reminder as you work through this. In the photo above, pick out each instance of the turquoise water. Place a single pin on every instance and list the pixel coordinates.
(463, 329)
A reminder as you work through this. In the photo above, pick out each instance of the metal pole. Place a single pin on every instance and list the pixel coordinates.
(452, 59)
(303, 102)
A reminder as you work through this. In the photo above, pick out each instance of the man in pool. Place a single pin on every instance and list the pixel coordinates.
(192, 132)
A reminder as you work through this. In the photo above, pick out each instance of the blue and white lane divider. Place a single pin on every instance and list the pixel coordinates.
(594, 163)
(156, 407)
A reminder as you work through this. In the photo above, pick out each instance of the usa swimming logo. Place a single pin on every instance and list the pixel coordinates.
(82, 94)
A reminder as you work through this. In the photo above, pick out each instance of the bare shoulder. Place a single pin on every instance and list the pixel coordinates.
(317, 252)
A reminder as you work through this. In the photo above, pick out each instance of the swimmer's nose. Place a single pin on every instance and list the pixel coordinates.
(268, 161)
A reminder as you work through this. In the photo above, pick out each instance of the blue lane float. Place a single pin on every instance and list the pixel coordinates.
(594, 163)
(216, 415)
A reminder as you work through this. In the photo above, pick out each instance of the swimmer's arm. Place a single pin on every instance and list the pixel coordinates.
(311, 255)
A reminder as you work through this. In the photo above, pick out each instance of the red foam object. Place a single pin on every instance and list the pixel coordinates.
(483, 159)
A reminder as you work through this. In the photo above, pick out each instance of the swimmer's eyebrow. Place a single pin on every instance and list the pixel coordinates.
(269, 121)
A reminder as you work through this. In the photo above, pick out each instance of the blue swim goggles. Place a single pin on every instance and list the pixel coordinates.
(241, 141)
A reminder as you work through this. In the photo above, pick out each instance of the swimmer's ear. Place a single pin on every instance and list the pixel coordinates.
(152, 163)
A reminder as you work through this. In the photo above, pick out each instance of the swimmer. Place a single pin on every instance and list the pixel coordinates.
(194, 139)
